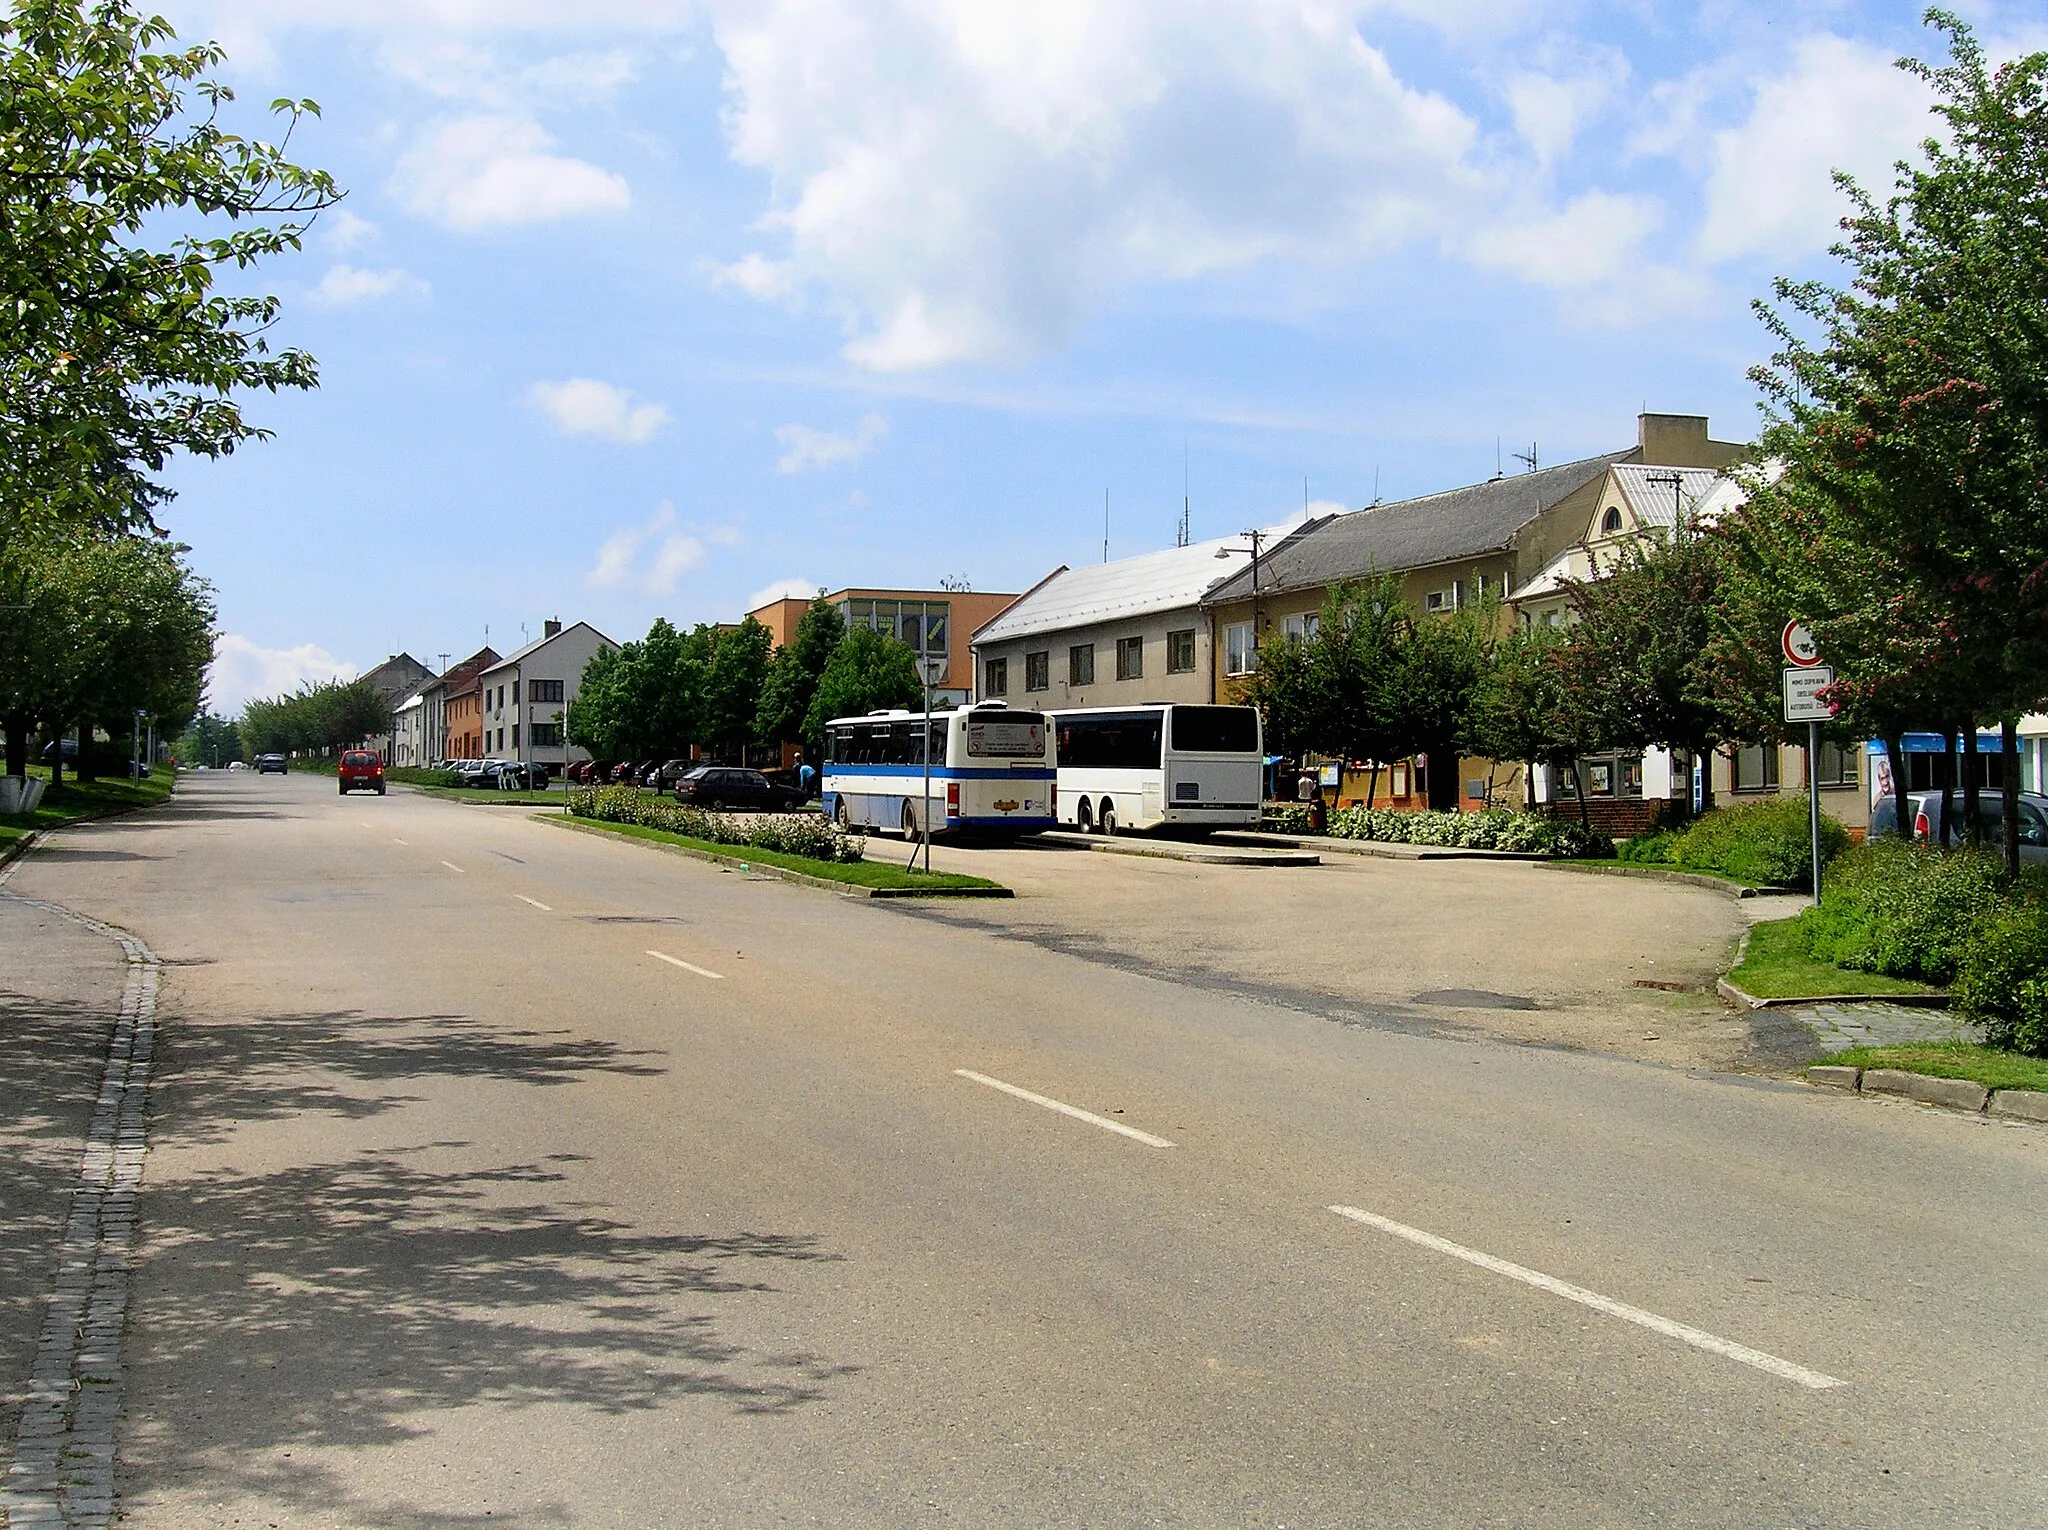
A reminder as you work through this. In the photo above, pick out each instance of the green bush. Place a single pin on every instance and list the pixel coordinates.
(806, 834)
(1651, 849)
(413, 775)
(1766, 843)
(1522, 833)
(2003, 980)
(1906, 910)
(1285, 818)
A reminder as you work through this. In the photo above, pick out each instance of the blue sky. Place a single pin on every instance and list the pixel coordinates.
(646, 308)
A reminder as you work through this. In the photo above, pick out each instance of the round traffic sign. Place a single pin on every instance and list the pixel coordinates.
(1800, 648)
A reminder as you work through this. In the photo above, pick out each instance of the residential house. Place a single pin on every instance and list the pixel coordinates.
(438, 741)
(937, 623)
(409, 731)
(523, 698)
(395, 679)
(1463, 546)
(1105, 634)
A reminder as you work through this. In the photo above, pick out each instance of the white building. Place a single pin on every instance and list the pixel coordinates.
(526, 695)
(409, 731)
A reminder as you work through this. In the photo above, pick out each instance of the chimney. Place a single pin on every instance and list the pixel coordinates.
(550, 628)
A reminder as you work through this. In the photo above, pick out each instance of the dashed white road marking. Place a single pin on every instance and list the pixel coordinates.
(453, 867)
(1712, 1343)
(677, 961)
(1065, 1109)
(535, 902)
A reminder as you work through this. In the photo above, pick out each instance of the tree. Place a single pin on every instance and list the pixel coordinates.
(867, 671)
(315, 718)
(795, 671)
(1519, 710)
(116, 354)
(733, 684)
(1910, 405)
(210, 740)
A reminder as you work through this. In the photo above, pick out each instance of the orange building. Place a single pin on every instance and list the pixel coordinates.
(937, 623)
(465, 713)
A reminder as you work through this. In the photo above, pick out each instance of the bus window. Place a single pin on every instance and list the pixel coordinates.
(1116, 742)
(1215, 730)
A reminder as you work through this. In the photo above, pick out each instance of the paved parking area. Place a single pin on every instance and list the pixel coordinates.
(1503, 949)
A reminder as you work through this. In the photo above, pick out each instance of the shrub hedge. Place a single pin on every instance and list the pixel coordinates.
(1943, 916)
(1524, 833)
(1766, 843)
(806, 834)
(413, 775)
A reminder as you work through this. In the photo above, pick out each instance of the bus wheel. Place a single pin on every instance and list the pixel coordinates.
(1108, 816)
(844, 818)
(910, 823)
(1084, 820)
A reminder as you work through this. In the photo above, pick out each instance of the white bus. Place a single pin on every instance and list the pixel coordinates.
(1197, 767)
(991, 771)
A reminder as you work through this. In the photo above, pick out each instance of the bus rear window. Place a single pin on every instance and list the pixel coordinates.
(1216, 730)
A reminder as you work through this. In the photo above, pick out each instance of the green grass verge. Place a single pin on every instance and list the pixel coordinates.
(1690, 871)
(1952, 1059)
(73, 801)
(853, 873)
(549, 798)
(1777, 966)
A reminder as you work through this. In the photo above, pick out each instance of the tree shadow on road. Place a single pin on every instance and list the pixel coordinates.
(266, 1067)
(340, 1307)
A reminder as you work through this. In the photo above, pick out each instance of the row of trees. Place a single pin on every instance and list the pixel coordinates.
(314, 719)
(95, 628)
(727, 691)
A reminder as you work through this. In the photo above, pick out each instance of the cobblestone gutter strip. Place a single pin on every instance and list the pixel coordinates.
(62, 1471)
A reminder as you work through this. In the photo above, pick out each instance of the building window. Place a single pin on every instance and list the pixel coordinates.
(1440, 600)
(1238, 653)
(543, 690)
(1755, 768)
(1081, 664)
(1130, 658)
(995, 677)
(1302, 626)
(1610, 523)
(515, 738)
(923, 624)
(547, 735)
(1038, 671)
(1180, 652)
(1835, 766)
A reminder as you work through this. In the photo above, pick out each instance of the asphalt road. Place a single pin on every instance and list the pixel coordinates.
(501, 1173)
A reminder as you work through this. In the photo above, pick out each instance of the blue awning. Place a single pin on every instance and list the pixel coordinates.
(1931, 743)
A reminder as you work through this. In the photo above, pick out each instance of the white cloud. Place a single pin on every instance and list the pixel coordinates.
(968, 182)
(344, 286)
(1842, 105)
(243, 669)
(583, 406)
(783, 589)
(473, 172)
(649, 559)
(344, 230)
(1551, 107)
(806, 450)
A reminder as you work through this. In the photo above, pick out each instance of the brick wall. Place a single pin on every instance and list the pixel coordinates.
(1617, 818)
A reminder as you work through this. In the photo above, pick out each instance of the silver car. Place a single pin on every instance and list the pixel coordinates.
(1926, 810)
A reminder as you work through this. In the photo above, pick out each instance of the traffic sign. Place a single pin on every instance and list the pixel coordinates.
(1802, 700)
(932, 670)
(1800, 648)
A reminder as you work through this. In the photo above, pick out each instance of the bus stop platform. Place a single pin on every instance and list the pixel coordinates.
(1209, 854)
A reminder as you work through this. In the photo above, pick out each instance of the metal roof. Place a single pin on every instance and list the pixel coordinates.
(1415, 533)
(1172, 579)
(1703, 493)
(538, 643)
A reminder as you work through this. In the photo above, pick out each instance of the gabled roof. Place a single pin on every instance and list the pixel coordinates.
(1702, 493)
(1172, 579)
(1415, 533)
(459, 676)
(539, 643)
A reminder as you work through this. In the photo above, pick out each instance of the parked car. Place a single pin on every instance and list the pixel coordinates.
(238, 764)
(270, 765)
(472, 772)
(728, 786)
(663, 777)
(360, 770)
(1926, 810)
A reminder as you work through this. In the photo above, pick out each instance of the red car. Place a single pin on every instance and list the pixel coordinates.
(361, 768)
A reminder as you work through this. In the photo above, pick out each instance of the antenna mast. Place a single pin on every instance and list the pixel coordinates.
(1185, 531)
(1105, 525)
(1528, 458)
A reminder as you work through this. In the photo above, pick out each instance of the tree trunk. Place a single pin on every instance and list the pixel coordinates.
(17, 746)
(1895, 751)
(2009, 740)
(82, 767)
(1973, 786)
(1948, 786)
(1372, 785)
(57, 766)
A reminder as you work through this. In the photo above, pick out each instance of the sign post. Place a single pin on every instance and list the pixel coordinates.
(930, 671)
(1805, 678)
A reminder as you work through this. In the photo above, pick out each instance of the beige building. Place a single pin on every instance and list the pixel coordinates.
(1107, 634)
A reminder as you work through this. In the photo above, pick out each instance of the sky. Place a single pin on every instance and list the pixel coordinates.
(661, 308)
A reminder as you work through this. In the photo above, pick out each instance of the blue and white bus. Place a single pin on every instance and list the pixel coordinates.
(1167, 765)
(991, 771)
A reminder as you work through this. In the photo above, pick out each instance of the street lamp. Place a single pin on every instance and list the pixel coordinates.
(1258, 540)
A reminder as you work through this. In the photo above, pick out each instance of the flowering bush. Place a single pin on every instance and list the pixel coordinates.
(806, 834)
(1524, 833)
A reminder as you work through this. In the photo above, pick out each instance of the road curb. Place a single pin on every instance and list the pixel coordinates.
(1381, 849)
(1747, 1000)
(802, 879)
(1665, 874)
(1198, 855)
(1964, 1096)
